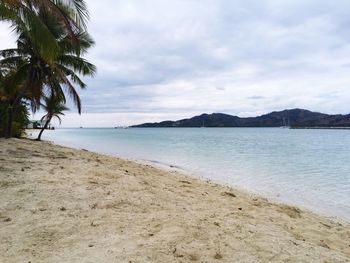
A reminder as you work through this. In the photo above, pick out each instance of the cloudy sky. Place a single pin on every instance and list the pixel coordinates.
(160, 59)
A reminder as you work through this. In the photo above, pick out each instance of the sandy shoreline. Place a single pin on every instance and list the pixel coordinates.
(65, 205)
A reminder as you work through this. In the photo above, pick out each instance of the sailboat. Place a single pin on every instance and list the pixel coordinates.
(285, 123)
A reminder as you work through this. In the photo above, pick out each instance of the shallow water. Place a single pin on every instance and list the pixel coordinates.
(310, 168)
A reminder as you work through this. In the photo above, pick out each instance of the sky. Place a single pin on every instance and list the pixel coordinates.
(159, 60)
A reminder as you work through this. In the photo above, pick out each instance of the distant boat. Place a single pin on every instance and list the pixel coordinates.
(285, 123)
(202, 125)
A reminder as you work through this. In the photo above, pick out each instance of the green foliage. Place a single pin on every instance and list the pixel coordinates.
(17, 129)
(54, 107)
(52, 38)
(59, 75)
(3, 119)
(24, 16)
(22, 114)
(20, 119)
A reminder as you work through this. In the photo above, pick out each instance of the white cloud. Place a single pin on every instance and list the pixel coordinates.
(7, 37)
(170, 59)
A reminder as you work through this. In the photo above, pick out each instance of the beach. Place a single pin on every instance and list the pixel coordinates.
(60, 204)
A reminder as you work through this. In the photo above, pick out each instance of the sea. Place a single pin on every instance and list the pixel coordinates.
(309, 168)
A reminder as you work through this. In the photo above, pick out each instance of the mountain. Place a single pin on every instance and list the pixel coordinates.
(297, 118)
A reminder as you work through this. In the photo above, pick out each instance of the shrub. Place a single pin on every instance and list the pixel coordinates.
(17, 129)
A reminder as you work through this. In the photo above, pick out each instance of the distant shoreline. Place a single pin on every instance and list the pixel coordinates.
(255, 127)
(322, 128)
(286, 118)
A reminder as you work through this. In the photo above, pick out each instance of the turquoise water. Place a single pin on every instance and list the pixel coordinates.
(310, 168)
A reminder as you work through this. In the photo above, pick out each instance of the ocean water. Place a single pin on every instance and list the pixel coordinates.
(309, 168)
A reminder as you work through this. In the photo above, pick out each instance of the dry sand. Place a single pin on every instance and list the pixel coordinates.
(64, 205)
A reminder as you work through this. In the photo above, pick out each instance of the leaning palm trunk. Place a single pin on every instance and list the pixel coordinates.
(54, 105)
(44, 128)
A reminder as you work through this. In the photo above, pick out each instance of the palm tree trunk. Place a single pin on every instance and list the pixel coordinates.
(43, 128)
(9, 121)
(10, 111)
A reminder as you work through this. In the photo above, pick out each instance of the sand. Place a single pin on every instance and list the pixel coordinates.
(64, 205)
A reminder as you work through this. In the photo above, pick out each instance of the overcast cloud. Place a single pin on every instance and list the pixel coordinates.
(161, 59)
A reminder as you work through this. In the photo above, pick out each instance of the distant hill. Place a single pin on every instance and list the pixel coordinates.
(297, 118)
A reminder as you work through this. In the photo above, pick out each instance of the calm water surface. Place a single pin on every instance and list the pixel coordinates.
(310, 168)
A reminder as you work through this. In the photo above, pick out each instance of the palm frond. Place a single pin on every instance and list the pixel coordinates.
(77, 64)
(54, 107)
(71, 91)
(74, 77)
(10, 52)
(39, 34)
(72, 14)
(11, 62)
(46, 56)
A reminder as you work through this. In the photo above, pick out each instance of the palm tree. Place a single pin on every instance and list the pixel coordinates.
(56, 77)
(51, 41)
(54, 107)
(11, 96)
(23, 15)
(14, 113)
